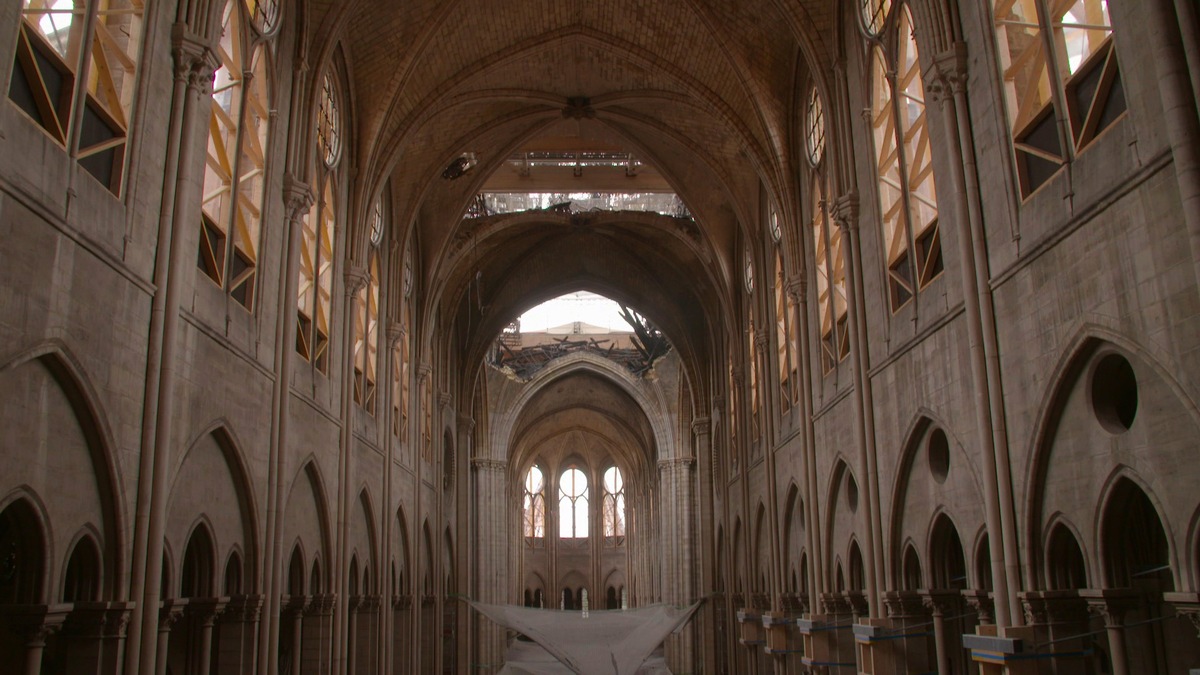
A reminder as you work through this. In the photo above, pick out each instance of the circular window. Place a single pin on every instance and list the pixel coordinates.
(264, 15)
(1114, 393)
(816, 128)
(938, 450)
(329, 123)
(377, 222)
(874, 14)
(851, 493)
(749, 273)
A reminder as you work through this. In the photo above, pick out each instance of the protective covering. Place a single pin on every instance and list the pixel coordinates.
(612, 642)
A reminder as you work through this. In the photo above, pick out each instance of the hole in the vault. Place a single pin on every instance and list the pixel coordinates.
(579, 322)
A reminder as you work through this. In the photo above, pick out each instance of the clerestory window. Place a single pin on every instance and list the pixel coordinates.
(402, 361)
(1057, 63)
(903, 156)
(236, 163)
(75, 74)
(366, 336)
(318, 238)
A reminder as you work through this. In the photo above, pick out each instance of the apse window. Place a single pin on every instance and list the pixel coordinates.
(1075, 67)
(534, 507)
(613, 511)
(573, 505)
(75, 74)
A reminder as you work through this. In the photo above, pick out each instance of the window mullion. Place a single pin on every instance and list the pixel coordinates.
(1054, 75)
(82, 70)
(905, 196)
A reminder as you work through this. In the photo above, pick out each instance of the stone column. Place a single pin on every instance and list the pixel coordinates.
(1111, 605)
(705, 546)
(316, 653)
(168, 615)
(195, 61)
(202, 614)
(34, 624)
(1053, 616)
(294, 607)
(491, 550)
(675, 488)
(94, 634)
(845, 213)
(943, 604)
(236, 646)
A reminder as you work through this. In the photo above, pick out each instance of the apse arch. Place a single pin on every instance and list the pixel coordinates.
(68, 372)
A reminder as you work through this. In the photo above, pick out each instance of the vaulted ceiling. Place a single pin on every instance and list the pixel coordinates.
(701, 90)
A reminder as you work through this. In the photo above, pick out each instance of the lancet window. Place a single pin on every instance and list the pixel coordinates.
(76, 66)
(1056, 56)
(402, 363)
(535, 506)
(829, 263)
(366, 336)
(613, 510)
(785, 328)
(755, 422)
(903, 157)
(236, 162)
(318, 238)
(573, 504)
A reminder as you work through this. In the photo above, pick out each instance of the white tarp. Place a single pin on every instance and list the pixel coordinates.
(613, 642)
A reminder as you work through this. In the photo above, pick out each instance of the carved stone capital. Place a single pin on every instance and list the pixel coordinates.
(1111, 604)
(393, 333)
(205, 611)
(1186, 605)
(356, 279)
(487, 464)
(295, 605)
(796, 289)
(98, 619)
(904, 604)
(983, 604)
(34, 623)
(845, 211)
(170, 612)
(195, 59)
(701, 426)
(676, 463)
(942, 603)
(243, 609)
(298, 197)
(947, 73)
(762, 340)
(1052, 607)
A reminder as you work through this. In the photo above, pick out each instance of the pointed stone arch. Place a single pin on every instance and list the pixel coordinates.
(54, 360)
(307, 521)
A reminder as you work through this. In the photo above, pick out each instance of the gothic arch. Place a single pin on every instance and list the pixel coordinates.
(401, 547)
(306, 494)
(25, 523)
(1095, 335)
(88, 582)
(1119, 483)
(211, 478)
(69, 374)
(1066, 561)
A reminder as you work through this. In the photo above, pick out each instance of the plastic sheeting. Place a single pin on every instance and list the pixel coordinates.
(613, 642)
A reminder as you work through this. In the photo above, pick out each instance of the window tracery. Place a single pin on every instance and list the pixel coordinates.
(903, 162)
(329, 123)
(1056, 55)
(55, 51)
(613, 509)
(535, 507)
(573, 504)
(235, 165)
(815, 125)
(366, 337)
